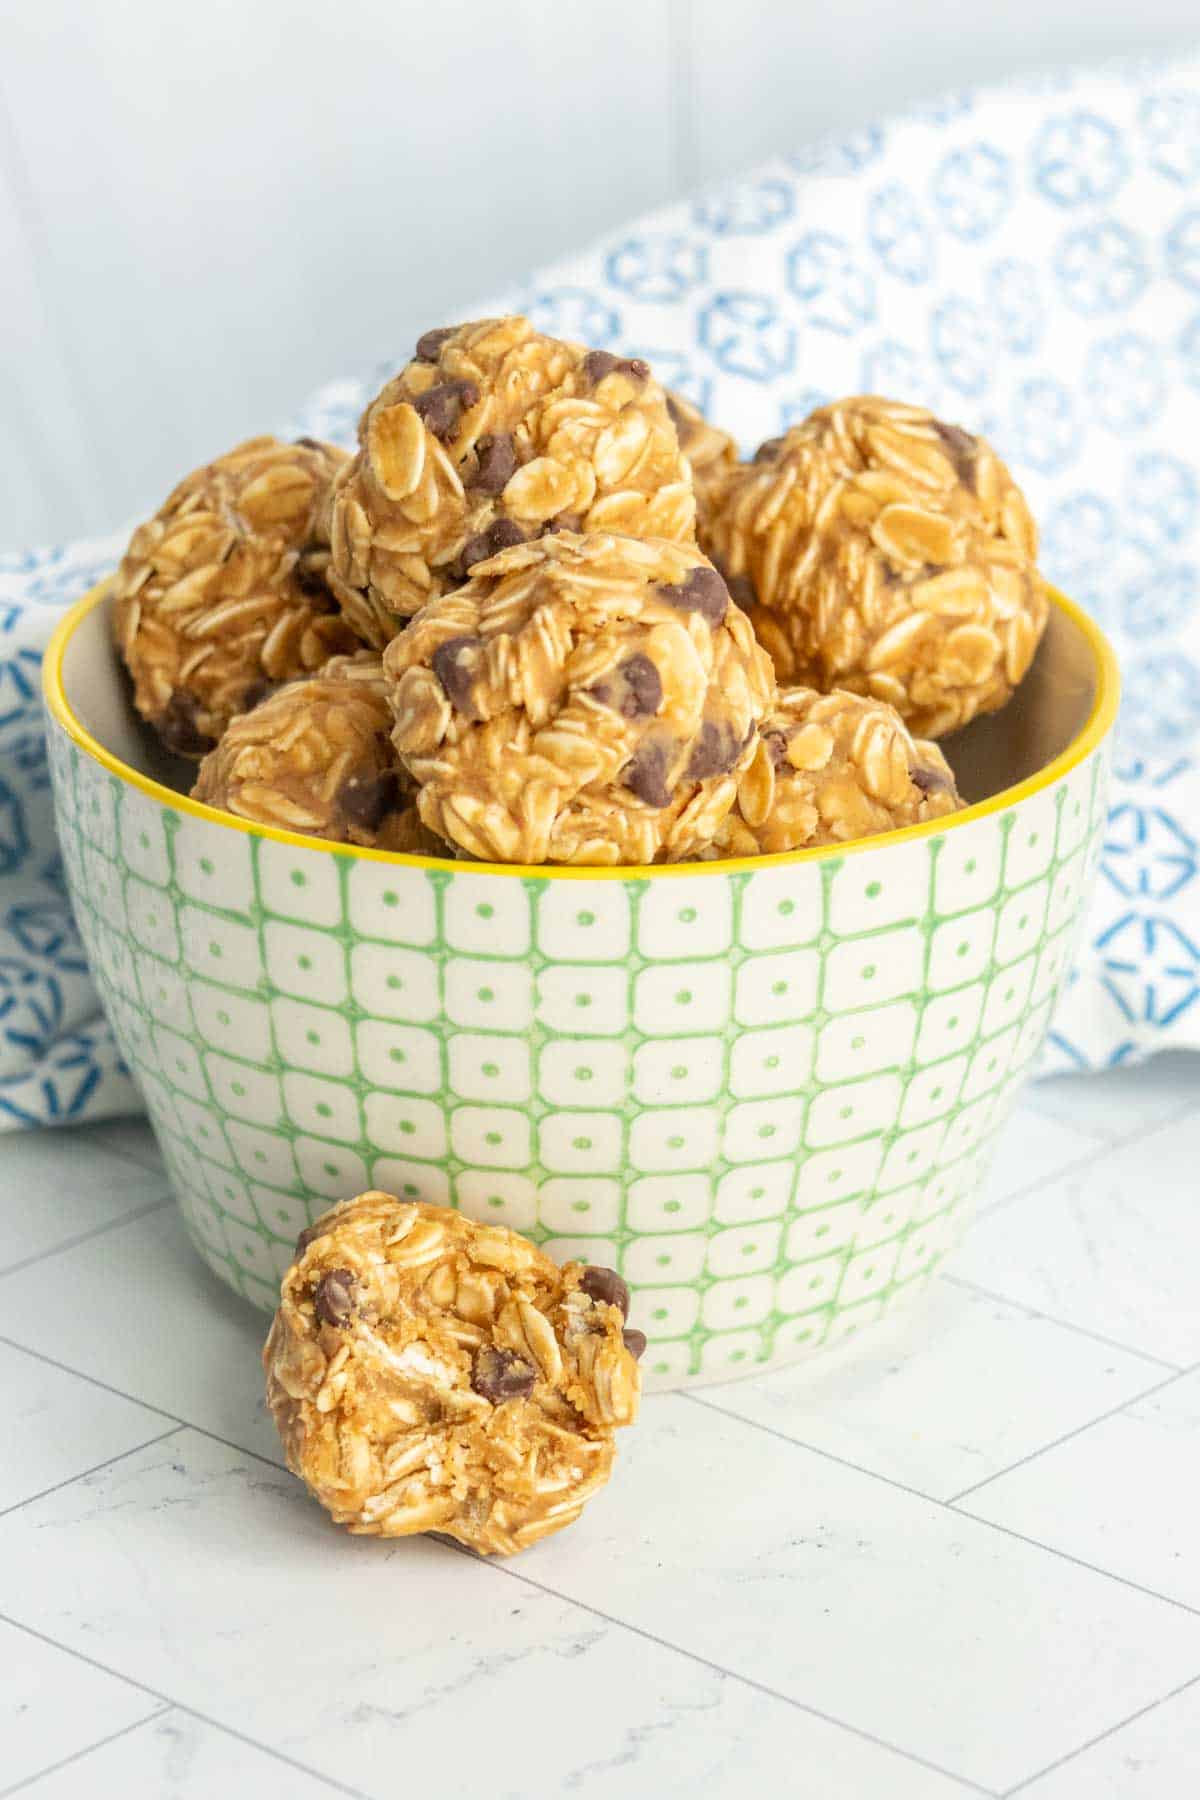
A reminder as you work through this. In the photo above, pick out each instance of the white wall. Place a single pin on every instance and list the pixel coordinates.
(207, 210)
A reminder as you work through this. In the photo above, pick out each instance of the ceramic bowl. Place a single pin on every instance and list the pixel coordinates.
(766, 1091)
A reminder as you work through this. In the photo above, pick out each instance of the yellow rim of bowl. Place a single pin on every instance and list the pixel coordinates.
(1095, 729)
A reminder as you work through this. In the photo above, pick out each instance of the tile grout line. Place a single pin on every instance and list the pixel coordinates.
(705, 1662)
(148, 1405)
(155, 1166)
(567, 1599)
(622, 1624)
(85, 1237)
(1076, 1165)
(215, 1437)
(1076, 1431)
(168, 1702)
(1141, 1713)
(737, 1419)
(64, 1762)
(1036, 1312)
(177, 1424)
(843, 1462)
(945, 1506)
(330, 1781)
(1031, 1187)
(94, 1380)
(56, 1486)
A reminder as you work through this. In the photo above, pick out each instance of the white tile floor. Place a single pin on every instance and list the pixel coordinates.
(961, 1558)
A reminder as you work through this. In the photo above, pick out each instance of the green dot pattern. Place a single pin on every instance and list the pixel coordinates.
(767, 1097)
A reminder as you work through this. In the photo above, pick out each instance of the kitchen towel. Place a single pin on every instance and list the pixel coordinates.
(1025, 261)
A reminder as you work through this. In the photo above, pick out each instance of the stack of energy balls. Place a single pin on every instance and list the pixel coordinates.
(545, 615)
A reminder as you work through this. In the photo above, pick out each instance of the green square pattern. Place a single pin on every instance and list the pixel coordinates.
(768, 1097)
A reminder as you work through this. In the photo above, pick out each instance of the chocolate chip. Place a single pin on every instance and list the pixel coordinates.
(599, 363)
(501, 1375)
(429, 344)
(962, 449)
(768, 451)
(333, 1301)
(454, 666)
(497, 462)
(685, 428)
(475, 550)
(501, 534)
(638, 691)
(258, 691)
(442, 407)
(930, 781)
(366, 800)
(635, 1342)
(311, 583)
(701, 591)
(309, 443)
(309, 573)
(715, 750)
(606, 1285)
(646, 775)
(564, 522)
(777, 745)
(741, 591)
(643, 687)
(308, 1236)
(179, 730)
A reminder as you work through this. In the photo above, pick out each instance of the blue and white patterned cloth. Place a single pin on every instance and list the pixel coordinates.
(1027, 263)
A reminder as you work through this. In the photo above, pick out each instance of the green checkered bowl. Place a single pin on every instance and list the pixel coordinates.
(765, 1091)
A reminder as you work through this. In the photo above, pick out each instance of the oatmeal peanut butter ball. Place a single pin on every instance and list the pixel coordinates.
(711, 453)
(829, 768)
(428, 1373)
(495, 434)
(316, 756)
(881, 550)
(223, 592)
(581, 699)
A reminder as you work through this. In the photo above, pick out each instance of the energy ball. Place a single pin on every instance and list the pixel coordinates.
(495, 434)
(711, 453)
(580, 700)
(224, 593)
(428, 1373)
(317, 757)
(829, 768)
(879, 550)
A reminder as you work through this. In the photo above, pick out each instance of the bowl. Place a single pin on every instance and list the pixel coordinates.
(766, 1091)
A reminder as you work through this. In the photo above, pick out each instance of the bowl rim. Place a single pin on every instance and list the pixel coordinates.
(1090, 735)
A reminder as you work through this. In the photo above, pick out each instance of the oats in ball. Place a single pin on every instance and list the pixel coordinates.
(223, 593)
(316, 756)
(883, 551)
(582, 699)
(493, 435)
(829, 768)
(428, 1373)
(711, 453)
